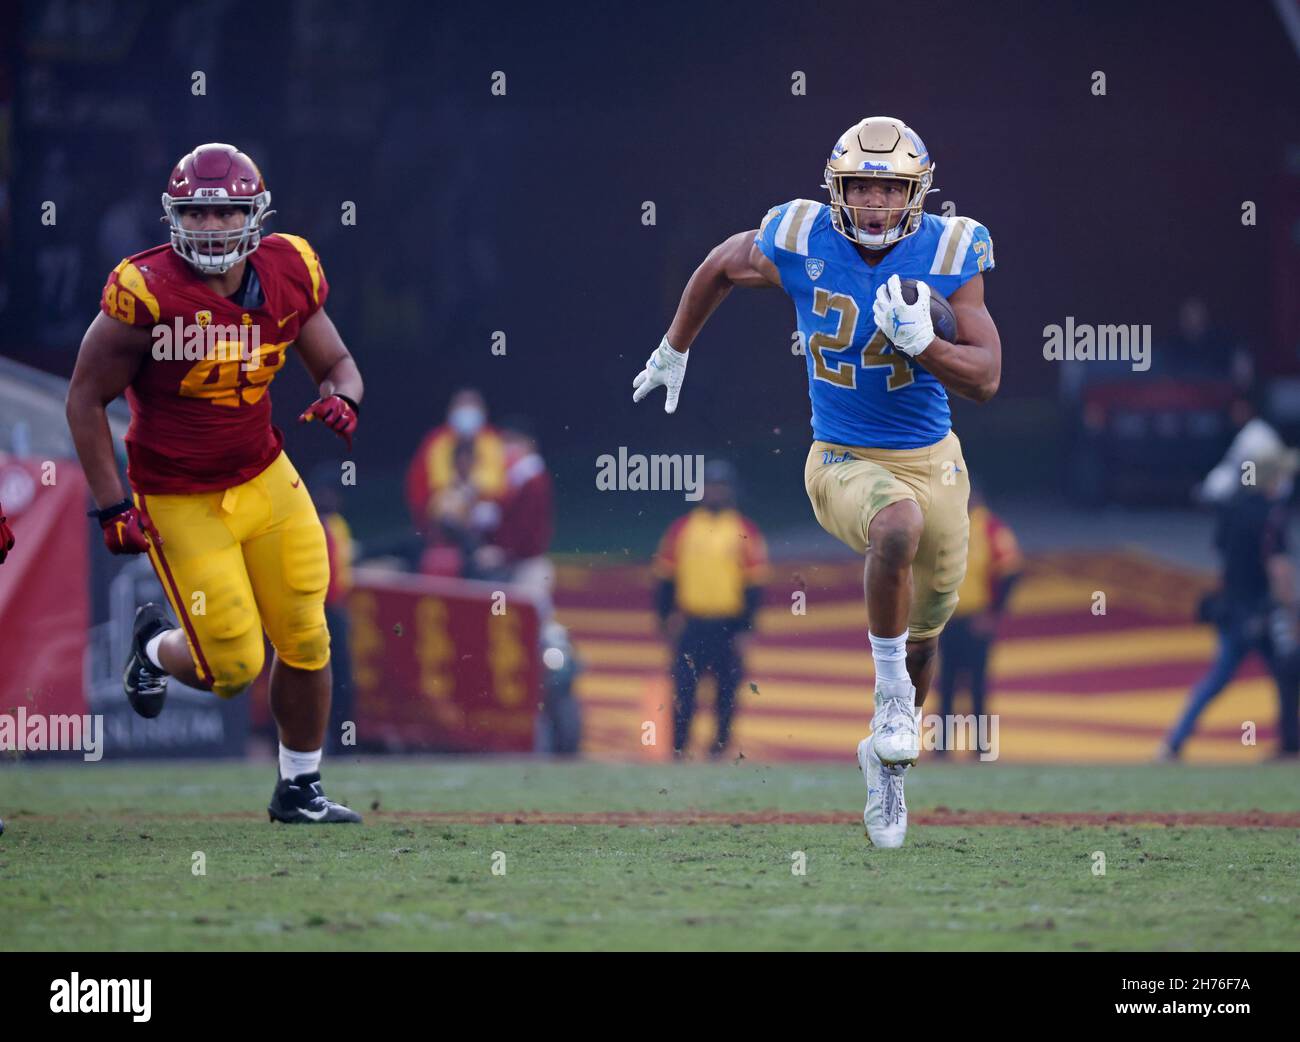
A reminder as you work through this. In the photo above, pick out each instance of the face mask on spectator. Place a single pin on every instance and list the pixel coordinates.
(466, 420)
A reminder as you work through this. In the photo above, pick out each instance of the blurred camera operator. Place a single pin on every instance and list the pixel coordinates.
(1255, 607)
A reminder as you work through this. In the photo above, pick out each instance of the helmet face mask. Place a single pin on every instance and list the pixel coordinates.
(885, 148)
(216, 175)
(903, 221)
(216, 251)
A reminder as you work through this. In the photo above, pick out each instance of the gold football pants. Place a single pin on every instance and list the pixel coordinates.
(849, 485)
(240, 561)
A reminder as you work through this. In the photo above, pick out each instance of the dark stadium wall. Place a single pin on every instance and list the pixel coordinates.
(523, 213)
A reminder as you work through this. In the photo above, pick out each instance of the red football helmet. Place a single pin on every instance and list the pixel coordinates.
(216, 174)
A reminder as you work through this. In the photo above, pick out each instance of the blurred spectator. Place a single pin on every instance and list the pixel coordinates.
(993, 565)
(1255, 607)
(559, 719)
(1198, 349)
(711, 566)
(459, 522)
(517, 547)
(340, 547)
(1255, 437)
(456, 480)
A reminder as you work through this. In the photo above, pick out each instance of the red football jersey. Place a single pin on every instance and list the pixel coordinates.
(201, 419)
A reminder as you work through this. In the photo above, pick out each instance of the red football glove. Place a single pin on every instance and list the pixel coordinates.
(127, 529)
(6, 538)
(338, 413)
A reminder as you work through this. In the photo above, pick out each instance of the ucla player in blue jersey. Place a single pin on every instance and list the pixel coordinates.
(885, 473)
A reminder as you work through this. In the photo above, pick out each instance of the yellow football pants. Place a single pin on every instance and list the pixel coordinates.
(240, 561)
(848, 486)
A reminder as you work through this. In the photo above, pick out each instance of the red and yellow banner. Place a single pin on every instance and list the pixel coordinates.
(44, 601)
(443, 664)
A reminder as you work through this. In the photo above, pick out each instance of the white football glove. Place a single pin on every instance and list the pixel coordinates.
(908, 326)
(665, 368)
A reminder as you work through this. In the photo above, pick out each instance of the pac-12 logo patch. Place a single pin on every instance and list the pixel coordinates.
(814, 266)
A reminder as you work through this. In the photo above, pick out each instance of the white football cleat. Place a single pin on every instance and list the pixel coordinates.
(896, 728)
(886, 812)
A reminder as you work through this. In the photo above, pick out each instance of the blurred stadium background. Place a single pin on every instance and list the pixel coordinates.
(522, 214)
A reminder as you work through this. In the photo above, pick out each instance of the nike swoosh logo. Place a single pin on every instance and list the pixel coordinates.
(296, 483)
(286, 319)
(315, 815)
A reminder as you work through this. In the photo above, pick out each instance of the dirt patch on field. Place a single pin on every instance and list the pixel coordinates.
(939, 816)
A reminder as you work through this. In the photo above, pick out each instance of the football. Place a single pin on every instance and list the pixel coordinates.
(945, 322)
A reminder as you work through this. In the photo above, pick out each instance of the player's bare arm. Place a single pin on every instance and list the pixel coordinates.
(737, 261)
(327, 358)
(111, 354)
(336, 375)
(972, 367)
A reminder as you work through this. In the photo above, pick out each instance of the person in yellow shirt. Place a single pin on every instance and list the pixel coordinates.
(465, 450)
(993, 564)
(711, 568)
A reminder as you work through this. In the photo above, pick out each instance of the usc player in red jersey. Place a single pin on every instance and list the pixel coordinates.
(193, 332)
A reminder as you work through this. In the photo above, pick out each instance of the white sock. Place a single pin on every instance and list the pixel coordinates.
(295, 765)
(151, 649)
(890, 656)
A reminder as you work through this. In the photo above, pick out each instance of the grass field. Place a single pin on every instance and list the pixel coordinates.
(103, 856)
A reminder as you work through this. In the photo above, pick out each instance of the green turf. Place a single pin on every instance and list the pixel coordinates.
(100, 856)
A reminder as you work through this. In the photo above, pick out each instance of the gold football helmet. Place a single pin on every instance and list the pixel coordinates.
(879, 146)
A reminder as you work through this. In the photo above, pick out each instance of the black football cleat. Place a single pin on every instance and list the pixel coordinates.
(145, 684)
(303, 802)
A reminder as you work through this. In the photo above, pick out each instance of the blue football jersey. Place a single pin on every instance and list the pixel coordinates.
(862, 391)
